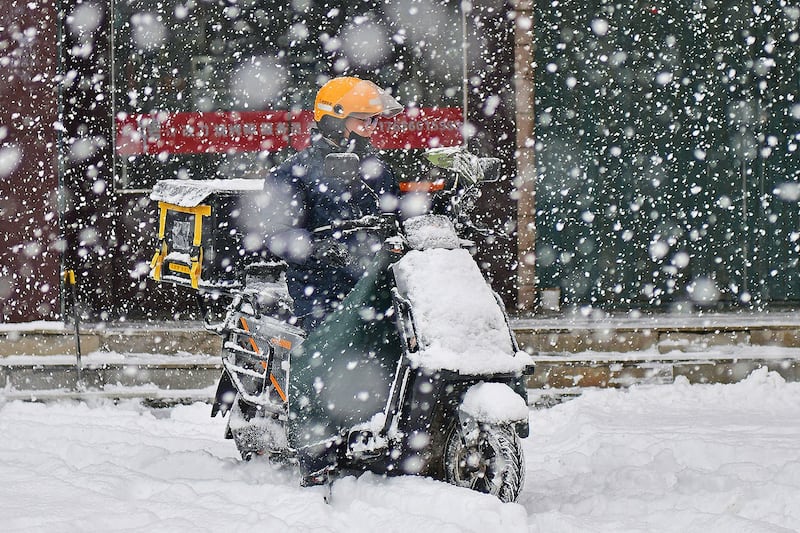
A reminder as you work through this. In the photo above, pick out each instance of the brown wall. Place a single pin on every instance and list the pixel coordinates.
(491, 71)
(29, 234)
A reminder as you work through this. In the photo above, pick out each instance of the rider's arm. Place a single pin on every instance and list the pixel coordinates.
(285, 212)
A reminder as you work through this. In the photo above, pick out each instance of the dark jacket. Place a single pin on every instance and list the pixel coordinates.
(302, 199)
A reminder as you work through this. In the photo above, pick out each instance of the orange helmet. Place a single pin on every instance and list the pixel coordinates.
(345, 96)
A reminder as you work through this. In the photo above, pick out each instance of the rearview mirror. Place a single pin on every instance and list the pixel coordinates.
(468, 166)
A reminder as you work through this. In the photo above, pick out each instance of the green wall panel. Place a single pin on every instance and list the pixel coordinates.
(667, 152)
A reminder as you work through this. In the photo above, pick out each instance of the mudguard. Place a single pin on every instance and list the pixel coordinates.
(225, 395)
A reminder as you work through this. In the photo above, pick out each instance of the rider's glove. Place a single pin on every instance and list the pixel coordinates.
(330, 252)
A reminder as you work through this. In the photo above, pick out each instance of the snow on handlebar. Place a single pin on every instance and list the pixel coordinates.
(369, 222)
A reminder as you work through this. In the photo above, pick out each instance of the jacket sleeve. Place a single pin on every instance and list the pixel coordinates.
(390, 187)
(284, 212)
(387, 182)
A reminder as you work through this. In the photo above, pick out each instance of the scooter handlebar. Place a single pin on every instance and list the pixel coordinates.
(384, 223)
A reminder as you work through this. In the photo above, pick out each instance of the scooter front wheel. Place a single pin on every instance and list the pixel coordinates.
(492, 463)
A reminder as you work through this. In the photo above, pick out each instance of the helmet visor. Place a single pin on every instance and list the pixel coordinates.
(367, 99)
(391, 107)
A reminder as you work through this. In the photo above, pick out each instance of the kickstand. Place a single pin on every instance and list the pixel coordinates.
(328, 496)
(324, 479)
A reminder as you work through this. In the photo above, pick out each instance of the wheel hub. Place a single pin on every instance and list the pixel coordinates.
(476, 466)
(487, 459)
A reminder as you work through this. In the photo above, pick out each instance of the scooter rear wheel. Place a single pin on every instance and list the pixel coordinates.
(493, 464)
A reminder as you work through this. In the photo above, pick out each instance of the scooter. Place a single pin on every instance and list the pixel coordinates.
(417, 372)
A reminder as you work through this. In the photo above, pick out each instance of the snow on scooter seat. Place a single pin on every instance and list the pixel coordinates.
(460, 326)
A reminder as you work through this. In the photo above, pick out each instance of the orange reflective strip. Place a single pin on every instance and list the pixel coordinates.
(421, 186)
(272, 379)
(277, 387)
(283, 343)
(247, 329)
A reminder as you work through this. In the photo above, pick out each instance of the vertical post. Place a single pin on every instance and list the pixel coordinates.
(69, 279)
(465, 6)
(745, 227)
(525, 183)
(112, 60)
(60, 145)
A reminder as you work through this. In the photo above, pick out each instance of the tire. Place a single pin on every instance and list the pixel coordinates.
(495, 465)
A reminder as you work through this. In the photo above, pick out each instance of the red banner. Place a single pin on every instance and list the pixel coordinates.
(255, 131)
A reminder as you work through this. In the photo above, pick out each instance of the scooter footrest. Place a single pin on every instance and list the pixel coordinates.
(364, 444)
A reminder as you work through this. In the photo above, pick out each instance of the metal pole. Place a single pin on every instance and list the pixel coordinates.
(69, 279)
(465, 5)
(746, 228)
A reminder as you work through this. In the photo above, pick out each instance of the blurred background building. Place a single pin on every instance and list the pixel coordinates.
(650, 148)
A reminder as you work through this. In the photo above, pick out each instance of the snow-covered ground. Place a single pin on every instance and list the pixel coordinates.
(661, 458)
